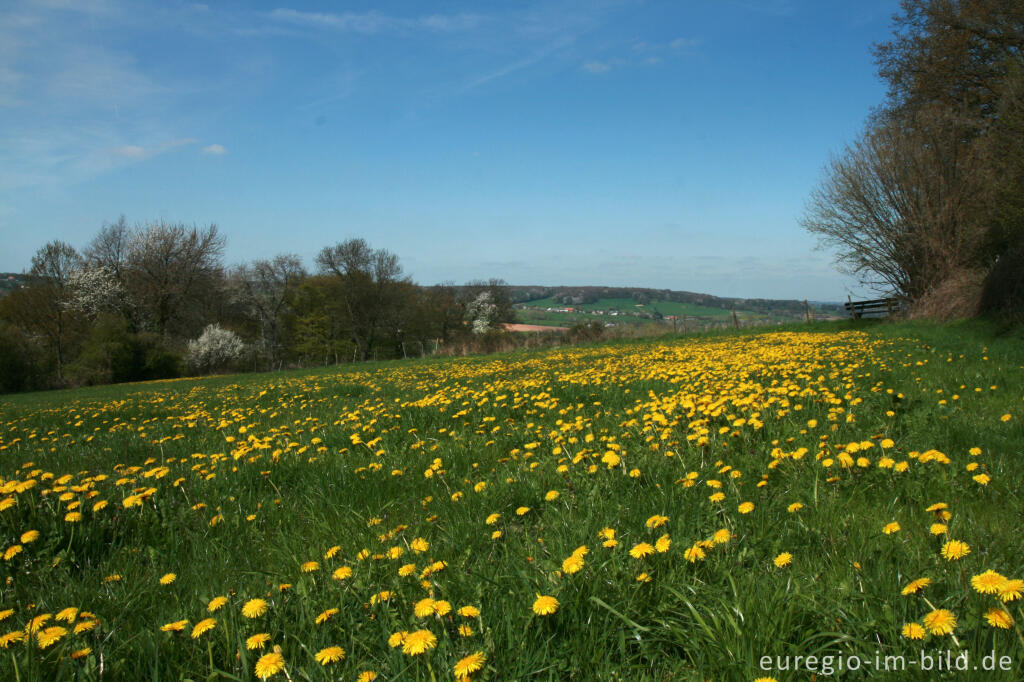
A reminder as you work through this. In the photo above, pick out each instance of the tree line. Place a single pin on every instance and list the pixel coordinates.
(156, 300)
(927, 204)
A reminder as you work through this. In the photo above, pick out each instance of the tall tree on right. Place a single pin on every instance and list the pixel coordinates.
(917, 201)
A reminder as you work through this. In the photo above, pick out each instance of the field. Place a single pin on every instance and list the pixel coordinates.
(631, 313)
(667, 509)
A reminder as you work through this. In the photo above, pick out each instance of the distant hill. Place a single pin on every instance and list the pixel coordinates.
(560, 306)
(9, 281)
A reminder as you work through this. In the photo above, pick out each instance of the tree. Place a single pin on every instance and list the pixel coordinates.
(266, 289)
(45, 305)
(899, 206)
(171, 272)
(370, 292)
(215, 349)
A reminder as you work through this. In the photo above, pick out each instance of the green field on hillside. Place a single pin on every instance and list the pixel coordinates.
(671, 508)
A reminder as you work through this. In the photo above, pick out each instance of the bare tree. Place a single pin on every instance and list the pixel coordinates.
(371, 289)
(170, 270)
(50, 291)
(265, 288)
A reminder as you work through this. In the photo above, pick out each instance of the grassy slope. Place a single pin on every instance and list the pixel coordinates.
(715, 616)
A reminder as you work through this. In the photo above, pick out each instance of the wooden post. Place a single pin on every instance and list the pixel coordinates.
(735, 320)
(853, 311)
(807, 311)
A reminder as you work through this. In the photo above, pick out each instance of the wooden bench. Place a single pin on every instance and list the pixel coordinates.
(880, 307)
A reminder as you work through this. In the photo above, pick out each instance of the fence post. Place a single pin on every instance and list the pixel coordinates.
(735, 320)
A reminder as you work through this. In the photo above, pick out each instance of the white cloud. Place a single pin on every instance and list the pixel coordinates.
(215, 150)
(130, 151)
(595, 67)
(684, 43)
(375, 22)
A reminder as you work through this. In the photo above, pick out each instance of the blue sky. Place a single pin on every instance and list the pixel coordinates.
(661, 144)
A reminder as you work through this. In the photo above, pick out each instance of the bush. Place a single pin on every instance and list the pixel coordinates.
(112, 353)
(19, 367)
(215, 349)
(1003, 292)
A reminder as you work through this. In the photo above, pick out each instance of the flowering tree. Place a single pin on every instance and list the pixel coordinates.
(481, 312)
(93, 289)
(215, 348)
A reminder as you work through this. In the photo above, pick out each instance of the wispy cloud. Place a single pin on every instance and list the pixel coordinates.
(595, 67)
(215, 150)
(373, 22)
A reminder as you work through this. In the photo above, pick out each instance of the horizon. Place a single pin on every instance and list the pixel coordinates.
(620, 144)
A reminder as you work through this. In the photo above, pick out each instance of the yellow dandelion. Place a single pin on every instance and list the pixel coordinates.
(641, 550)
(419, 545)
(203, 626)
(81, 653)
(367, 676)
(745, 507)
(915, 586)
(342, 573)
(11, 638)
(468, 612)
(423, 608)
(545, 605)
(913, 631)
(325, 616)
(940, 622)
(176, 626)
(257, 641)
(572, 564)
(418, 642)
(783, 560)
(168, 578)
(310, 567)
(328, 655)
(999, 618)
(254, 608)
(269, 665)
(551, 496)
(795, 507)
(988, 582)
(694, 553)
(656, 521)
(891, 528)
(955, 549)
(465, 631)
(29, 536)
(67, 615)
(216, 604)
(49, 636)
(468, 665)
(721, 536)
(1011, 590)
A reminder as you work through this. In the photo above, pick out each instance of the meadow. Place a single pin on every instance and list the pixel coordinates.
(666, 509)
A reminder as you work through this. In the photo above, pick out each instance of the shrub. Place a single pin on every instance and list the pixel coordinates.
(215, 349)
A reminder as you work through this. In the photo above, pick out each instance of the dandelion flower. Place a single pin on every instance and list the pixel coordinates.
(955, 549)
(663, 544)
(746, 507)
(783, 560)
(545, 605)
(418, 642)
(694, 553)
(573, 564)
(50, 635)
(397, 639)
(257, 641)
(913, 631)
(176, 626)
(332, 551)
(269, 665)
(423, 608)
(721, 536)
(550, 496)
(367, 676)
(325, 616)
(468, 612)
(254, 608)
(1011, 590)
(891, 528)
(168, 578)
(419, 545)
(988, 582)
(29, 536)
(915, 586)
(656, 521)
(331, 654)
(999, 618)
(205, 625)
(216, 604)
(67, 615)
(81, 653)
(940, 622)
(795, 507)
(469, 665)
(492, 519)
(342, 573)
(938, 529)
(465, 631)
(641, 550)
(310, 567)
(11, 638)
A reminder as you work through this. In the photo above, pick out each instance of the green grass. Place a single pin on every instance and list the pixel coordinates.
(293, 463)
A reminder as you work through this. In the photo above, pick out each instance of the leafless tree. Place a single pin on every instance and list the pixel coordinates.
(47, 311)
(265, 289)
